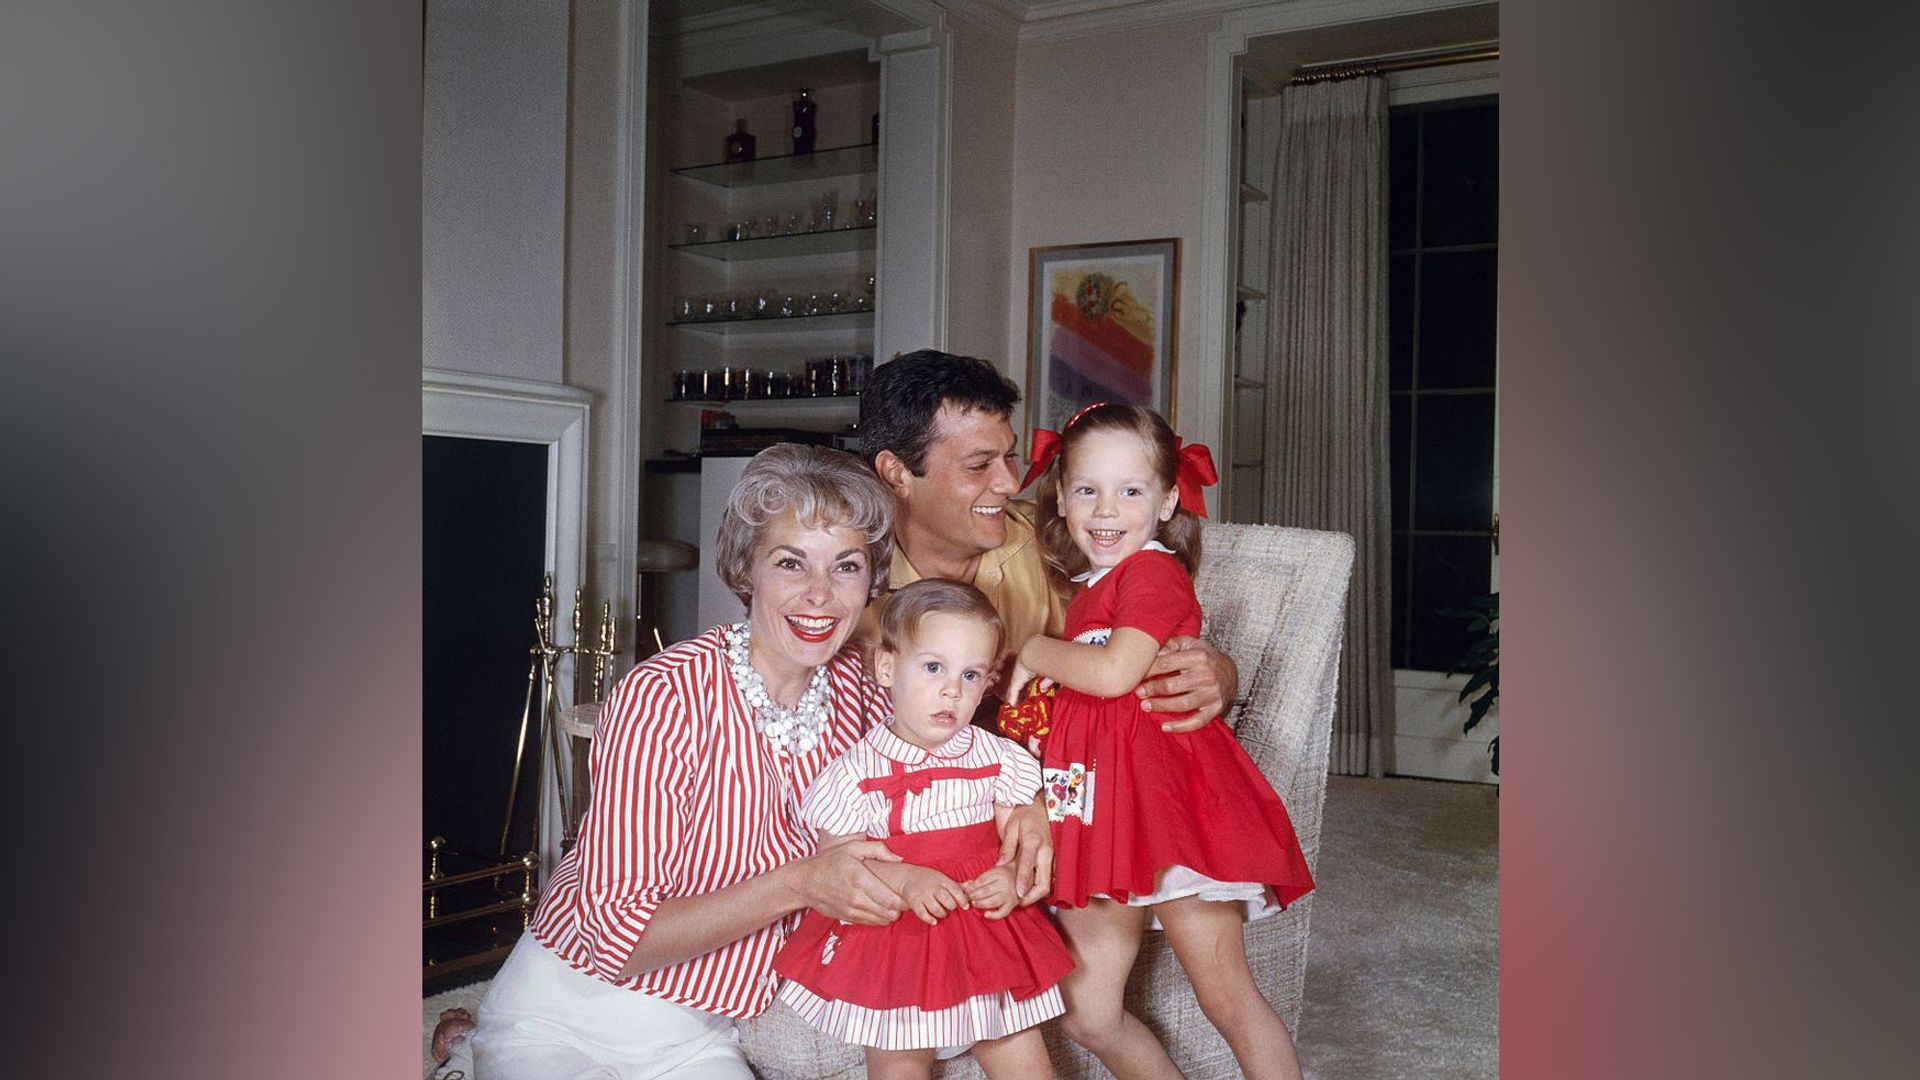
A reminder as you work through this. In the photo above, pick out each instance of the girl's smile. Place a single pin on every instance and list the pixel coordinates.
(1112, 498)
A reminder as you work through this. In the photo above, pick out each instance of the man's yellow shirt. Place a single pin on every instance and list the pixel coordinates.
(1013, 575)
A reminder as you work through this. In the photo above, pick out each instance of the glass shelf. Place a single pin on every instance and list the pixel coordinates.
(1248, 292)
(1249, 193)
(780, 247)
(839, 161)
(827, 403)
(792, 324)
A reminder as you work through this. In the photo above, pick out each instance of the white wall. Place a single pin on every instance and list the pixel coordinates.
(494, 174)
(1110, 145)
(594, 336)
(980, 220)
(522, 179)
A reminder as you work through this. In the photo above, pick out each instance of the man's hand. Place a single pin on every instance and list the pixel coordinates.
(1026, 844)
(836, 882)
(992, 893)
(1188, 676)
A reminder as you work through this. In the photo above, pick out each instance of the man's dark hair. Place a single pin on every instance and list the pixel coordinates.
(902, 395)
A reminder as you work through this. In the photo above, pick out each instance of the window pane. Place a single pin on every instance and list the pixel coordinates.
(1458, 306)
(1447, 572)
(1400, 322)
(1399, 445)
(1461, 176)
(1453, 445)
(1397, 626)
(1403, 187)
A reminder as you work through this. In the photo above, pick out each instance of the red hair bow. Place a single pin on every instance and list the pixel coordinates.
(1046, 446)
(1195, 471)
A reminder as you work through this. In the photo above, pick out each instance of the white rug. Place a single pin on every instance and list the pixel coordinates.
(1403, 969)
(464, 997)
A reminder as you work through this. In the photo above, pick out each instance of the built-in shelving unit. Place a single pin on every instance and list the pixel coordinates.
(1243, 452)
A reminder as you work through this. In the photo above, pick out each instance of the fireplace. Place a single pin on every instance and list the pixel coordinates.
(503, 505)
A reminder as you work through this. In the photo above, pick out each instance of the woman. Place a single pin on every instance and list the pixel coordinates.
(660, 926)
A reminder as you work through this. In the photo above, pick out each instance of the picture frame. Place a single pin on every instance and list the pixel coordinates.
(1102, 325)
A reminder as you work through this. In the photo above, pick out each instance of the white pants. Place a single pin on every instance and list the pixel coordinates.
(542, 1020)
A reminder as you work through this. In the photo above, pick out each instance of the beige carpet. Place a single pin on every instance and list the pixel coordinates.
(1403, 964)
(1403, 967)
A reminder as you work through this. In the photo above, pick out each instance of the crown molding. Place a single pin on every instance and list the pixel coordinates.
(732, 19)
(1062, 20)
(1002, 18)
(747, 35)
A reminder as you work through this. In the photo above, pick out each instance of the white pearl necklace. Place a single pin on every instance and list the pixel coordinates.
(796, 730)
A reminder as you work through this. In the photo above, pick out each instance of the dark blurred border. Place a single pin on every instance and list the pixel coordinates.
(1709, 369)
(210, 314)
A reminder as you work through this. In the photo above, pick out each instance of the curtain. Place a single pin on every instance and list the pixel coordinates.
(1326, 376)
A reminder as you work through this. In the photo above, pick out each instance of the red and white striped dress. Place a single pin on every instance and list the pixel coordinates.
(688, 797)
(908, 985)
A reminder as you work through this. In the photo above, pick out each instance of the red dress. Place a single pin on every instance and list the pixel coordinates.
(1142, 815)
(908, 985)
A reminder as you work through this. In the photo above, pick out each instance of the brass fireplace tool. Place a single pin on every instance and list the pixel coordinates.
(545, 656)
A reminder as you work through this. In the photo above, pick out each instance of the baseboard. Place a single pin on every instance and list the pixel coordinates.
(1430, 739)
(1443, 759)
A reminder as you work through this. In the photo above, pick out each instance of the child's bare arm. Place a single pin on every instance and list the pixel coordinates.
(928, 893)
(993, 893)
(1101, 670)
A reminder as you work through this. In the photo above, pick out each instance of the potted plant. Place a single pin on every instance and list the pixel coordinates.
(1481, 662)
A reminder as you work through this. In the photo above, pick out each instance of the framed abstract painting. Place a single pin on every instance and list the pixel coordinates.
(1101, 326)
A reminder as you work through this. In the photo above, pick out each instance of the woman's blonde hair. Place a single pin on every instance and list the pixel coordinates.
(823, 489)
(1181, 532)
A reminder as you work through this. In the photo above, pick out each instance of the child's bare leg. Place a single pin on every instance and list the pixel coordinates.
(899, 1064)
(1019, 1056)
(1103, 939)
(1206, 936)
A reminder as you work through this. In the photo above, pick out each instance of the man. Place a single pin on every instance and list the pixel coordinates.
(938, 430)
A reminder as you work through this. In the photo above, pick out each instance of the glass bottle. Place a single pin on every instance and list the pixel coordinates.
(740, 144)
(803, 110)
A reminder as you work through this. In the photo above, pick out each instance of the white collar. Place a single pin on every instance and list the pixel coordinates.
(1092, 577)
(895, 748)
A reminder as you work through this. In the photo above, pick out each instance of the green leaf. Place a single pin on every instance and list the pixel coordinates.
(1478, 711)
(1476, 683)
(1481, 651)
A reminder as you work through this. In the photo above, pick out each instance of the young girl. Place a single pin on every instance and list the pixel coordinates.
(1182, 827)
(967, 965)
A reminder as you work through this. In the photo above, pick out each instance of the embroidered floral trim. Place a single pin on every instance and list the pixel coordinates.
(1069, 792)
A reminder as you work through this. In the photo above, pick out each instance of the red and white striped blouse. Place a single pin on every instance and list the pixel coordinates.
(688, 797)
